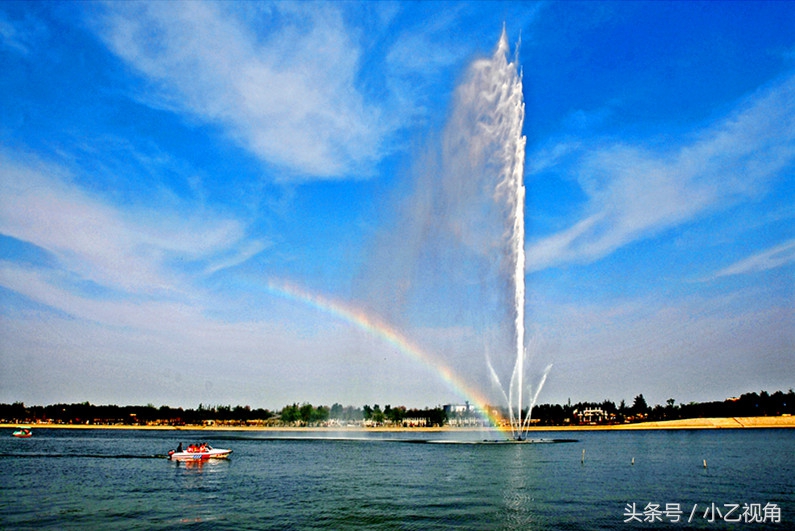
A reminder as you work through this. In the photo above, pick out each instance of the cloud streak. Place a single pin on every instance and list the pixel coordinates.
(125, 251)
(635, 193)
(778, 256)
(280, 79)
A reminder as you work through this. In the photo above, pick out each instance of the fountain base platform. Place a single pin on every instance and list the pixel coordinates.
(527, 441)
(499, 441)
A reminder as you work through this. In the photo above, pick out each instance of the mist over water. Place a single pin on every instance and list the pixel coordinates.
(454, 257)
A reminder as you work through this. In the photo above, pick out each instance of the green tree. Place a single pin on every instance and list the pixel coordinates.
(306, 412)
(290, 414)
(321, 414)
(395, 414)
(639, 406)
(378, 415)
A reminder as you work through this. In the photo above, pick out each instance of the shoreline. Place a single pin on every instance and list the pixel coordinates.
(682, 424)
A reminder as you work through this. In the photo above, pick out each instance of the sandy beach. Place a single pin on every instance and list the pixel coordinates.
(684, 424)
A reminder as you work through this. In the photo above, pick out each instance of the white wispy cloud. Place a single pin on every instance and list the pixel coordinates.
(19, 36)
(48, 288)
(772, 258)
(123, 250)
(635, 192)
(419, 57)
(280, 79)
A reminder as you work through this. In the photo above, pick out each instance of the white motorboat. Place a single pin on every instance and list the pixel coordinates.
(198, 453)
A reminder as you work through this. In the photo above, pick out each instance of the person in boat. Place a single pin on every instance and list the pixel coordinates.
(179, 448)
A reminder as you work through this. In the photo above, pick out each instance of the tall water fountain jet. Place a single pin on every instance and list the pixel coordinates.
(503, 117)
(455, 256)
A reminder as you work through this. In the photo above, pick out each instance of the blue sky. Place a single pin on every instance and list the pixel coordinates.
(162, 163)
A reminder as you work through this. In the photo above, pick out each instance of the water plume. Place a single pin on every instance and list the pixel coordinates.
(456, 253)
(494, 100)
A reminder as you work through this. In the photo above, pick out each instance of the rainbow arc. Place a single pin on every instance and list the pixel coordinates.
(377, 327)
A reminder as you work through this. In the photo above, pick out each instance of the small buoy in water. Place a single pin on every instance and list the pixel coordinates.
(705, 463)
(633, 460)
(583, 456)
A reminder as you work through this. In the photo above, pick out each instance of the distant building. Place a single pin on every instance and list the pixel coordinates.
(592, 416)
(465, 415)
(415, 422)
(455, 409)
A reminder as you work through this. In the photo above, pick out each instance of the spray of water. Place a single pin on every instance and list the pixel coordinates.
(466, 208)
(500, 92)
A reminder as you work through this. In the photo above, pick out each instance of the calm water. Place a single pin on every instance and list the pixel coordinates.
(103, 479)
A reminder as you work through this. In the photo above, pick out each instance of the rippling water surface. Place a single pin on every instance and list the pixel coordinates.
(109, 479)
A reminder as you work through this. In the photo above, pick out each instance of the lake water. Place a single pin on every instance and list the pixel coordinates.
(118, 479)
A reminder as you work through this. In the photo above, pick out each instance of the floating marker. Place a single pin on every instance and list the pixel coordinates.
(633, 460)
(583, 456)
(705, 463)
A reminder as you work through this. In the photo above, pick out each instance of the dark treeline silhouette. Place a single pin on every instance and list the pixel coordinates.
(86, 413)
(305, 414)
(308, 415)
(292, 415)
(760, 404)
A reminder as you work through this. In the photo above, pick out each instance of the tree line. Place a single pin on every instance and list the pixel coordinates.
(87, 413)
(761, 404)
(305, 414)
(295, 415)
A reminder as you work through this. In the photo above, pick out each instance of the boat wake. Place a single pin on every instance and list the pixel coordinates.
(84, 456)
